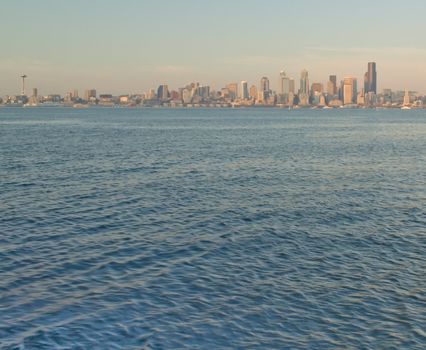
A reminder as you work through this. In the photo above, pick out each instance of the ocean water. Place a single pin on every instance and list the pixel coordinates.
(212, 229)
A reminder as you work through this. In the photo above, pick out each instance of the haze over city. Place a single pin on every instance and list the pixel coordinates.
(131, 46)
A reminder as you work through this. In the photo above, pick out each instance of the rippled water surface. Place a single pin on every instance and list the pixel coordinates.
(212, 229)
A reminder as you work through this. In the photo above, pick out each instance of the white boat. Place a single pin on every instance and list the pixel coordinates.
(405, 107)
(80, 105)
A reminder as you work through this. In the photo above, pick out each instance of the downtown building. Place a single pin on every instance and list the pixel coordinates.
(349, 91)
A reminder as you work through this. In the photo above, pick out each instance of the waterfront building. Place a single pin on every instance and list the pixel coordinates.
(68, 98)
(90, 94)
(387, 95)
(303, 100)
(315, 98)
(335, 103)
(371, 100)
(124, 99)
(106, 100)
(33, 100)
(322, 102)
(291, 98)
(54, 98)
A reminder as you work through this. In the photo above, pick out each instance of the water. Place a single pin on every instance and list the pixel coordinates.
(212, 229)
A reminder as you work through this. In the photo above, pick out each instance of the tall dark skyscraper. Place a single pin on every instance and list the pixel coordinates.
(264, 84)
(163, 92)
(370, 78)
(332, 85)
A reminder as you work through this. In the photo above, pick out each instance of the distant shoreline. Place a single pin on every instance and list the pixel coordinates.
(10, 106)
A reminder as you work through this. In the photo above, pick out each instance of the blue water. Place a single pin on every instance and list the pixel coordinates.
(212, 229)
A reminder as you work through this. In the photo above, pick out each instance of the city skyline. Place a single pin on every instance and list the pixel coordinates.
(285, 84)
(275, 82)
(309, 94)
(138, 44)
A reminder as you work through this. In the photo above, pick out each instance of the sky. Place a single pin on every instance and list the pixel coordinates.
(129, 46)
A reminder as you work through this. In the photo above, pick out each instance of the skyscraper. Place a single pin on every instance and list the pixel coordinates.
(332, 85)
(292, 86)
(406, 102)
(203, 91)
(163, 92)
(233, 90)
(366, 83)
(355, 89)
(264, 84)
(282, 80)
(349, 90)
(370, 78)
(304, 83)
(253, 92)
(284, 83)
(244, 90)
(264, 89)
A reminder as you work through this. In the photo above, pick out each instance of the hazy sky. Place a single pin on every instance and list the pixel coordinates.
(131, 45)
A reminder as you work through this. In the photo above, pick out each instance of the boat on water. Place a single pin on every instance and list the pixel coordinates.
(80, 105)
(405, 108)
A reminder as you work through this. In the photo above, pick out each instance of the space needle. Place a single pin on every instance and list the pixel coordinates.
(23, 84)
